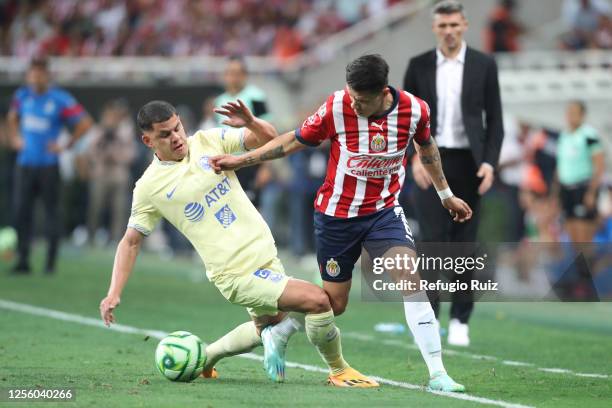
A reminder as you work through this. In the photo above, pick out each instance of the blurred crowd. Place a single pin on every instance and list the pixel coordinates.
(585, 24)
(588, 24)
(533, 196)
(246, 27)
(554, 206)
(279, 28)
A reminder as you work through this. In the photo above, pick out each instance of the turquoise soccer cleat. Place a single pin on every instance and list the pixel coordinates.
(274, 355)
(441, 381)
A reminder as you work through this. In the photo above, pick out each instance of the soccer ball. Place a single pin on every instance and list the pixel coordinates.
(180, 356)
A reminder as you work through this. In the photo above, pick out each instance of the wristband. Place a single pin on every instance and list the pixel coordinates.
(444, 194)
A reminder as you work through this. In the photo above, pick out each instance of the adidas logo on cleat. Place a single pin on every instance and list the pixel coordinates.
(351, 383)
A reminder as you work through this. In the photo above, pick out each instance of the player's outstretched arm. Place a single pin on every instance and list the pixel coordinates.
(125, 257)
(278, 147)
(258, 131)
(430, 158)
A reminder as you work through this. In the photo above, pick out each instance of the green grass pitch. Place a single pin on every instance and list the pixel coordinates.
(515, 352)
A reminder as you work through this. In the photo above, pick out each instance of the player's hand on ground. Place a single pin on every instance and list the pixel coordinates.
(487, 174)
(237, 113)
(225, 162)
(458, 209)
(107, 306)
(421, 177)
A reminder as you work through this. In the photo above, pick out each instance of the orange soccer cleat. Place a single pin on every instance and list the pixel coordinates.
(349, 377)
(210, 373)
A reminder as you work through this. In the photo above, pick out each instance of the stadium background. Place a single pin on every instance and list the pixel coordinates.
(296, 52)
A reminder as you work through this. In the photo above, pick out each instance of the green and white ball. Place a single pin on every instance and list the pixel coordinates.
(180, 356)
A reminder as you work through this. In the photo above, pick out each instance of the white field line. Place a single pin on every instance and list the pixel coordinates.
(88, 321)
(407, 343)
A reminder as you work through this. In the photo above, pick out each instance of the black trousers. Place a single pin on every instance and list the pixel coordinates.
(436, 224)
(32, 183)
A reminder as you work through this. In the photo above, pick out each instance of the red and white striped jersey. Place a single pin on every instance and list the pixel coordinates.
(366, 166)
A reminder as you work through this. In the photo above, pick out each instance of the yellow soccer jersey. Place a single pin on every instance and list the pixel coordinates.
(210, 209)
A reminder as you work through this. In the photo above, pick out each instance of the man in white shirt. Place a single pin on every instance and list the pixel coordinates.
(461, 87)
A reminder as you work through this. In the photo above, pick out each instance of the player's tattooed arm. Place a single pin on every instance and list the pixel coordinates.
(276, 148)
(275, 153)
(430, 158)
(286, 145)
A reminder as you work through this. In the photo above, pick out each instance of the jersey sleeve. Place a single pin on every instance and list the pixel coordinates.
(232, 140)
(422, 133)
(144, 216)
(593, 142)
(318, 126)
(259, 105)
(71, 112)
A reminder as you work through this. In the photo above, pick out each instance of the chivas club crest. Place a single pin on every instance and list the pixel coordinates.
(332, 268)
(378, 143)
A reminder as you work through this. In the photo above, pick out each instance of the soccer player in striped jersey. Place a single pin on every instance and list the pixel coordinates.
(216, 216)
(370, 125)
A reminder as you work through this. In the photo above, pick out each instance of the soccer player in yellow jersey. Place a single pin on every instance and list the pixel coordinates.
(231, 237)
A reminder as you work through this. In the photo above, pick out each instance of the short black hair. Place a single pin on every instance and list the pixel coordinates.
(448, 7)
(154, 112)
(239, 59)
(40, 61)
(368, 73)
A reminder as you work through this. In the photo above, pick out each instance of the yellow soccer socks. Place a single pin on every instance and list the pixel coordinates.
(325, 336)
(242, 339)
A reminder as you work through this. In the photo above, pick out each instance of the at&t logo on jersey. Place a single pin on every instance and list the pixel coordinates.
(194, 212)
(225, 216)
(217, 192)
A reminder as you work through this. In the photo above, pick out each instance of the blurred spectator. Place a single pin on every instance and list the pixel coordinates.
(37, 115)
(503, 30)
(174, 27)
(270, 181)
(208, 120)
(582, 18)
(604, 233)
(308, 168)
(7, 162)
(512, 168)
(235, 81)
(580, 168)
(188, 119)
(542, 213)
(287, 43)
(111, 152)
(602, 38)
